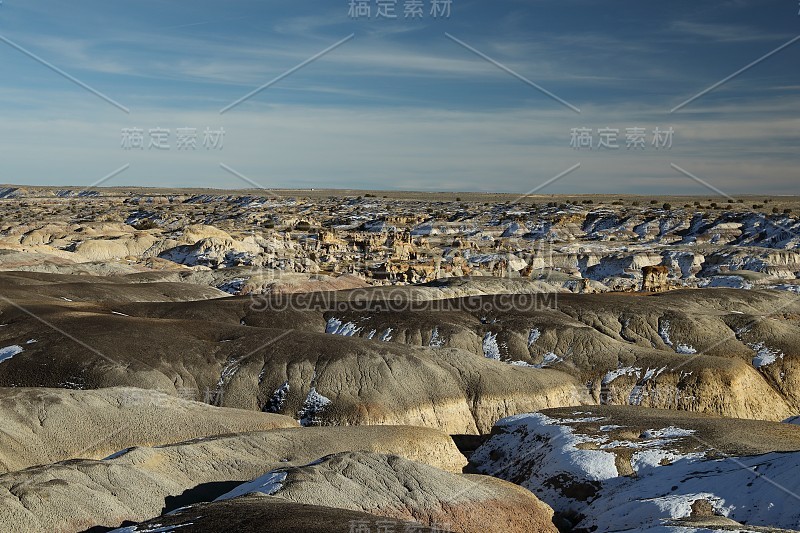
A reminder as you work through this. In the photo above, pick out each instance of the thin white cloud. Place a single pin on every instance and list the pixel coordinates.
(723, 33)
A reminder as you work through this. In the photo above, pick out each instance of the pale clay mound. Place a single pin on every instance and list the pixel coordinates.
(460, 369)
(405, 490)
(356, 381)
(24, 287)
(721, 351)
(145, 482)
(43, 426)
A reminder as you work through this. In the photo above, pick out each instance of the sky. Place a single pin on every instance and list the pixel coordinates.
(492, 96)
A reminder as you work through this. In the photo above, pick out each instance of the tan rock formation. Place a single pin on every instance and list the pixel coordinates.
(379, 484)
(42, 426)
(654, 278)
(144, 482)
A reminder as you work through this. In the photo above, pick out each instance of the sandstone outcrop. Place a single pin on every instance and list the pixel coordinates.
(654, 278)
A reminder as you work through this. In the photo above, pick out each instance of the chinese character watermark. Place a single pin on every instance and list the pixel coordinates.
(389, 9)
(186, 139)
(187, 393)
(394, 526)
(213, 396)
(635, 138)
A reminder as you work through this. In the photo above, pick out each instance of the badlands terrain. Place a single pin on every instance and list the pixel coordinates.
(362, 361)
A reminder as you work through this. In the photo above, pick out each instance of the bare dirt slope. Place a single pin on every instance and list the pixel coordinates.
(43, 426)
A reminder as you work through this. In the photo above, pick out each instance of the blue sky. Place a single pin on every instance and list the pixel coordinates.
(401, 105)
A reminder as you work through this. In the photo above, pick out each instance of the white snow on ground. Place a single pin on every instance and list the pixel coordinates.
(651, 373)
(514, 229)
(151, 529)
(536, 440)
(268, 484)
(790, 288)
(670, 432)
(228, 371)
(663, 331)
(549, 359)
(624, 371)
(654, 458)
(490, 348)
(764, 355)
(314, 405)
(337, 327)
(278, 399)
(119, 314)
(685, 349)
(730, 282)
(424, 229)
(386, 336)
(436, 340)
(233, 286)
(533, 336)
(752, 490)
(9, 351)
(637, 393)
(544, 455)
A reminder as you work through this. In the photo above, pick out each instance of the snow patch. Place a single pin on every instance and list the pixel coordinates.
(268, 484)
(764, 355)
(624, 371)
(9, 351)
(337, 327)
(490, 348)
(436, 340)
(544, 455)
(233, 287)
(549, 359)
(313, 407)
(278, 399)
(670, 432)
(663, 331)
(535, 439)
(533, 336)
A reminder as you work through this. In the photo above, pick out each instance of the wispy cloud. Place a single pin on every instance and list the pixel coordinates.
(402, 106)
(722, 33)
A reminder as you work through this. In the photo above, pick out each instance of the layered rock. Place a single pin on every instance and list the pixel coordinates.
(42, 426)
(407, 491)
(142, 483)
